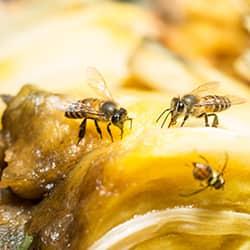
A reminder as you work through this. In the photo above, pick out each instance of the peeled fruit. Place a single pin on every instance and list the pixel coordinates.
(128, 193)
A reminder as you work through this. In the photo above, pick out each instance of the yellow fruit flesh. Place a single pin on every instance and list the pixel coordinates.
(148, 171)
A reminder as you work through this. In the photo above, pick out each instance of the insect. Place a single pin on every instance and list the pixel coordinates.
(198, 104)
(98, 110)
(205, 173)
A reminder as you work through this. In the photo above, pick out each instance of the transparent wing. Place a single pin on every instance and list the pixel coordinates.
(59, 103)
(96, 81)
(203, 102)
(206, 88)
(75, 107)
(235, 99)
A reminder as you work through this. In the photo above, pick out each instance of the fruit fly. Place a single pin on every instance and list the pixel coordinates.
(98, 110)
(206, 174)
(198, 104)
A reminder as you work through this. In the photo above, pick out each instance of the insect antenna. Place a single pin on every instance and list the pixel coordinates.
(162, 114)
(188, 165)
(195, 192)
(203, 158)
(225, 164)
(170, 112)
(131, 122)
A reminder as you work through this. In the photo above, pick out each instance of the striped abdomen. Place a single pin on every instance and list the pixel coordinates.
(201, 171)
(75, 114)
(214, 103)
(87, 108)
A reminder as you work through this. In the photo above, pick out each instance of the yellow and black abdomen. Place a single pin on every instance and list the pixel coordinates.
(214, 103)
(75, 114)
(87, 108)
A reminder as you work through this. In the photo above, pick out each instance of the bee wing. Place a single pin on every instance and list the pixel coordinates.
(75, 107)
(58, 103)
(96, 81)
(235, 99)
(204, 102)
(206, 88)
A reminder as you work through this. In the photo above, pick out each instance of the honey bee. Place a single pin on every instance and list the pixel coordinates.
(99, 110)
(205, 173)
(198, 104)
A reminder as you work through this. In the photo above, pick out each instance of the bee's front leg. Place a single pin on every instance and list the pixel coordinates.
(184, 120)
(121, 128)
(109, 131)
(131, 122)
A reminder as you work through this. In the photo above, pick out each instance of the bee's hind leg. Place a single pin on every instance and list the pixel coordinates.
(98, 129)
(215, 120)
(82, 130)
(205, 117)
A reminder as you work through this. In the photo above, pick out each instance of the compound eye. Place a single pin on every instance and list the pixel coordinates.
(115, 118)
(181, 106)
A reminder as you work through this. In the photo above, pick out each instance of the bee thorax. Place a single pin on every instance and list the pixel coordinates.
(108, 108)
(216, 181)
(189, 100)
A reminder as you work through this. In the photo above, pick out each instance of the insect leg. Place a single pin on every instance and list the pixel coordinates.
(82, 130)
(98, 128)
(203, 158)
(121, 128)
(215, 121)
(225, 164)
(195, 192)
(166, 119)
(206, 118)
(109, 131)
(184, 120)
(131, 122)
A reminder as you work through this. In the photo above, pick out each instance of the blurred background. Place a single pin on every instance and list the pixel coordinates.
(166, 45)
